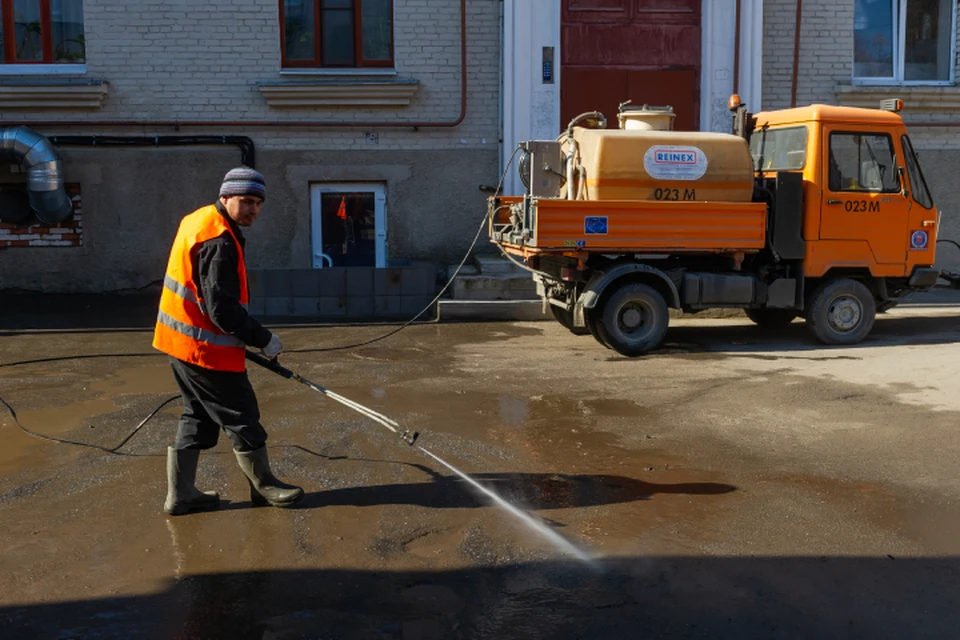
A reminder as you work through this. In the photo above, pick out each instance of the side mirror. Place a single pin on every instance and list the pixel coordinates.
(903, 182)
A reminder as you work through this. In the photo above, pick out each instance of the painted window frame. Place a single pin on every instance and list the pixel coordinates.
(46, 40)
(899, 17)
(317, 61)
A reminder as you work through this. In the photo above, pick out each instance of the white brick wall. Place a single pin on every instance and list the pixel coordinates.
(826, 51)
(182, 59)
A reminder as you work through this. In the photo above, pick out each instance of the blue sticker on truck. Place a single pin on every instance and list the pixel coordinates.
(919, 239)
(595, 225)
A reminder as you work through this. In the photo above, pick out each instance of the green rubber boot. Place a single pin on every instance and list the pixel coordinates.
(264, 486)
(182, 495)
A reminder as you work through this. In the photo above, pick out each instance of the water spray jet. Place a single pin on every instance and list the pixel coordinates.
(409, 437)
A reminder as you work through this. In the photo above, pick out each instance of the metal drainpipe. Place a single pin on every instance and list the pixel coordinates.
(45, 189)
(736, 52)
(796, 55)
(292, 124)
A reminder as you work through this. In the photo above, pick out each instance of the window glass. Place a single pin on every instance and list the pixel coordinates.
(873, 38)
(298, 29)
(66, 29)
(862, 162)
(918, 184)
(27, 33)
(338, 33)
(779, 149)
(377, 29)
(927, 40)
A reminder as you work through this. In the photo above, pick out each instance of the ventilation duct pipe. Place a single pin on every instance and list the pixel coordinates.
(45, 189)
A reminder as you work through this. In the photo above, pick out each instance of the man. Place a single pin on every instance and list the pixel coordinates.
(204, 327)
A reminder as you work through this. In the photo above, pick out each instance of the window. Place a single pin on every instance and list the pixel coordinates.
(42, 32)
(779, 149)
(336, 33)
(863, 162)
(904, 41)
(918, 184)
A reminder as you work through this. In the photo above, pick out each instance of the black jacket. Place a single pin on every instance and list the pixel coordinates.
(215, 268)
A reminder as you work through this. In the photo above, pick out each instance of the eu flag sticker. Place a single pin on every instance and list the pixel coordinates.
(595, 225)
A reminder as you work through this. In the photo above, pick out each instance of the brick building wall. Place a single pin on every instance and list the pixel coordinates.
(34, 233)
(826, 76)
(184, 60)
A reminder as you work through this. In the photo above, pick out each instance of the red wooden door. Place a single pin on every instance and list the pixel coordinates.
(647, 51)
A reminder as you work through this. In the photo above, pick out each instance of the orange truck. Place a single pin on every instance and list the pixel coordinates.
(820, 211)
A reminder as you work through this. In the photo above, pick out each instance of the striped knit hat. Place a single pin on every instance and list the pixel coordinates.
(243, 181)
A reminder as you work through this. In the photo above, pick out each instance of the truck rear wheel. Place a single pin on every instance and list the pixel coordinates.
(633, 319)
(771, 318)
(565, 318)
(841, 312)
(591, 318)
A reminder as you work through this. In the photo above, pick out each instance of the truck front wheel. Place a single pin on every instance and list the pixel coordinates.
(841, 312)
(633, 320)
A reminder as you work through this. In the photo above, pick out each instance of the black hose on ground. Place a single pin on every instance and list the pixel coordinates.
(113, 450)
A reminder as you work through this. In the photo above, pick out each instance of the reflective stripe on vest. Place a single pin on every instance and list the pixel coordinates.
(182, 291)
(217, 339)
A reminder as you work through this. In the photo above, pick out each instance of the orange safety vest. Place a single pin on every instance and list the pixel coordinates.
(184, 330)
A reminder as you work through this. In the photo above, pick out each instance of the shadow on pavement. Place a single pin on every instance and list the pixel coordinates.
(622, 597)
(529, 490)
(726, 340)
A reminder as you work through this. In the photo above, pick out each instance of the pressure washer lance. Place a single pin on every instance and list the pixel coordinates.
(408, 436)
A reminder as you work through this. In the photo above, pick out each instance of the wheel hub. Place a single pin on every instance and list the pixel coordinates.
(844, 313)
(633, 319)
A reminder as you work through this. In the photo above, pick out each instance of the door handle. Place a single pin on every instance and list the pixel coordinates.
(834, 202)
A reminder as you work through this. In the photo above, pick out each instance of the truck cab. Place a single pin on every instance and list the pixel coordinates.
(867, 209)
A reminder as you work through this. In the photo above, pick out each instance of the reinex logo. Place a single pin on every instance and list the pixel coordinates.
(675, 157)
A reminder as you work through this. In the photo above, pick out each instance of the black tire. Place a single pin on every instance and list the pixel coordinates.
(841, 312)
(565, 318)
(633, 320)
(592, 320)
(771, 318)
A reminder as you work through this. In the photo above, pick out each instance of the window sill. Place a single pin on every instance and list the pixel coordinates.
(378, 71)
(51, 94)
(42, 69)
(915, 97)
(338, 93)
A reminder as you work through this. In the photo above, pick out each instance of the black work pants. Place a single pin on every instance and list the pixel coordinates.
(213, 400)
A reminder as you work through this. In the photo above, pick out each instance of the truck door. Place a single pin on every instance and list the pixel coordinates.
(924, 217)
(862, 200)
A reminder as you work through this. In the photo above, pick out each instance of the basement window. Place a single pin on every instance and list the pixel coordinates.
(904, 41)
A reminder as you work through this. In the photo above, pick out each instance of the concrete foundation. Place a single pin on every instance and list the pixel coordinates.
(134, 198)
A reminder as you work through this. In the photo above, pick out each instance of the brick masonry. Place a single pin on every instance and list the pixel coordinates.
(826, 76)
(41, 234)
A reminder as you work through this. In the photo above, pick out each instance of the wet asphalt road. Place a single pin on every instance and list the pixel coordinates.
(736, 484)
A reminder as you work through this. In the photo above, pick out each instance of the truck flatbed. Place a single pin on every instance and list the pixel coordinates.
(642, 226)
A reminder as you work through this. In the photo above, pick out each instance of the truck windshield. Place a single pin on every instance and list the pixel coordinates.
(917, 182)
(779, 149)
